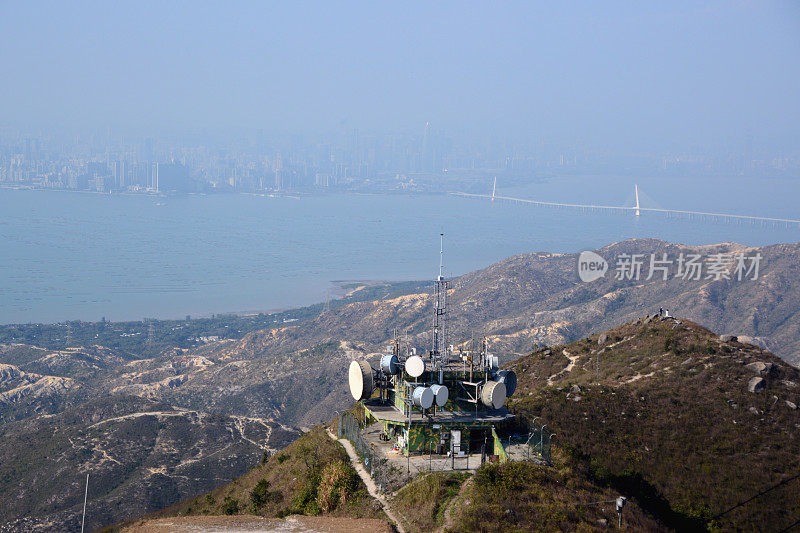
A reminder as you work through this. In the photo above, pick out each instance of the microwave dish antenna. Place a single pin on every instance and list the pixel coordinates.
(360, 378)
(493, 394)
(390, 364)
(415, 366)
(441, 394)
(423, 397)
(509, 378)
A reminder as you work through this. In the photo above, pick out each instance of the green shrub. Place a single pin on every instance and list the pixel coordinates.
(230, 505)
(259, 494)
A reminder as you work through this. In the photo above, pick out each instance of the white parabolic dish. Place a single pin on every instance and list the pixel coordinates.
(423, 397)
(360, 377)
(415, 366)
(493, 394)
(441, 394)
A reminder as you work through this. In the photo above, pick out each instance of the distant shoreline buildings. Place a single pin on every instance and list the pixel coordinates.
(428, 162)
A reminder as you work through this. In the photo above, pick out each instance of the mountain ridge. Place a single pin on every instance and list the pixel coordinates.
(288, 375)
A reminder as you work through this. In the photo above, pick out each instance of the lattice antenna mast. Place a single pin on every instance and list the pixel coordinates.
(439, 308)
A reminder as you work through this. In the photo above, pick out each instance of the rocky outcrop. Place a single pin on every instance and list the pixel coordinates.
(759, 367)
(756, 384)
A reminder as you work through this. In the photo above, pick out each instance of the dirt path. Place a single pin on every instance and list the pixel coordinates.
(568, 368)
(448, 513)
(367, 479)
(639, 376)
(253, 524)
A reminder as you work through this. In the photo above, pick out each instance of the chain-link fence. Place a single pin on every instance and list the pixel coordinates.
(538, 444)
(531, 446)
(350, 429)
(426, 460)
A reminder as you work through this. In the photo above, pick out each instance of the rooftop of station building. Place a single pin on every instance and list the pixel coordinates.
(390, 413)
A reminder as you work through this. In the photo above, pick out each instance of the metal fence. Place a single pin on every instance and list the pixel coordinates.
(350, 429)
(532, 446)
(539, 442)
(427, 460)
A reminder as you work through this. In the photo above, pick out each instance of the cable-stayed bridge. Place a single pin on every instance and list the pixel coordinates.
(636, 209)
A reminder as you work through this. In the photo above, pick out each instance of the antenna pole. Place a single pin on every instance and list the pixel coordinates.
(439, 347)
(85, 495)
(441, 256)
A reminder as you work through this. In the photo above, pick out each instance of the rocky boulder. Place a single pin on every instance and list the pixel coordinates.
(756, 384)
(759, 367)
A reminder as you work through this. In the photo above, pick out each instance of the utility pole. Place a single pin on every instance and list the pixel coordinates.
(598, 366)
(85, 495)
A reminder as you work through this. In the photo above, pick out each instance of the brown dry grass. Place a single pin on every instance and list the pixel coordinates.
(688, 441)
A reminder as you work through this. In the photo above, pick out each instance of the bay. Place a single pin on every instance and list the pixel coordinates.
(67, 256)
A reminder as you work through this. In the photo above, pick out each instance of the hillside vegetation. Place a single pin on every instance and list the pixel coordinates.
(312, 476)
(271, 375)
(672, 422)
(698, 432)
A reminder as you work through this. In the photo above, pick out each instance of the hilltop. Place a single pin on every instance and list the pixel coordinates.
(253, 383)
(689, 424)
(698, 431)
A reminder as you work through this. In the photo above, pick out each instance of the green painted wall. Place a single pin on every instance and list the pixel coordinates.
(499, 449)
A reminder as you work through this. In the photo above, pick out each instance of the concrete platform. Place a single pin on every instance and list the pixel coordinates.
(417, 463)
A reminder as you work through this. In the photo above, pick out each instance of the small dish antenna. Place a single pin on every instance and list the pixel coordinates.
(415, 366)
(441, 393)
(509, 378)
(390, 364)
(422, 397)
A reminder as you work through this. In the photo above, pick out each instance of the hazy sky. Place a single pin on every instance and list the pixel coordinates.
(601, 73)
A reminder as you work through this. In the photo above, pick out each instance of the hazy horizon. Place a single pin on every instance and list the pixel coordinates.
(617, 76)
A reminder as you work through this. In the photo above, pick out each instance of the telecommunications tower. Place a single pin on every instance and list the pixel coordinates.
(439, 351)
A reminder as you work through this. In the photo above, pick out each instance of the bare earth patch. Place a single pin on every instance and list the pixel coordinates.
(291, 524)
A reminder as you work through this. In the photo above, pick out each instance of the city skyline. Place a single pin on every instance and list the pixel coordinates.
(431, 161)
